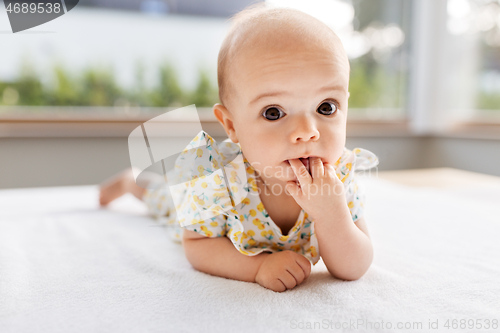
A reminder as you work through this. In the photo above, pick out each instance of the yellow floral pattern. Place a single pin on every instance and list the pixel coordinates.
(247, 224)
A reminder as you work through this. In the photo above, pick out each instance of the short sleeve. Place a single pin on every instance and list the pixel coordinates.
(200, 192)
(202, 187)
(355, 198)
(358, 159)
(214, 227)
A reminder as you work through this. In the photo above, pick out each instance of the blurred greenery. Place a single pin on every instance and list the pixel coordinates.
(98, 87)
(488, 101)
(371, 86)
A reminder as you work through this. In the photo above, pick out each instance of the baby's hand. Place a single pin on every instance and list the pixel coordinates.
(283, 270)
(320, 193)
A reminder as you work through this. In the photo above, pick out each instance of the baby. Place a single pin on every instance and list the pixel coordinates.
(283, 86)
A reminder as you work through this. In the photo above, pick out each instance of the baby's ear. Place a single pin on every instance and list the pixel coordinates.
(348, 95)
(225, 118)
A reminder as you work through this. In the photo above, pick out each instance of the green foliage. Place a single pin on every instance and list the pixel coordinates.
(205, 93)
(98, 87)
(372, 86)
(168, 92)
(29, 87)
(65, 92)
(488, 101)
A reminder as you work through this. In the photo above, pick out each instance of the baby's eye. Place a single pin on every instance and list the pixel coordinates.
(272, 113)
(327, 108)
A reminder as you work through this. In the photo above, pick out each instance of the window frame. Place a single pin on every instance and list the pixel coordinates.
(427, 111)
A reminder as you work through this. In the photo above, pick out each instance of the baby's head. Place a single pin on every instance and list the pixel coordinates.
(283, 85)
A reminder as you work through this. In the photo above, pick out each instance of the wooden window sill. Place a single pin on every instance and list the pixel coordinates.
(475, 130)
(104, 122)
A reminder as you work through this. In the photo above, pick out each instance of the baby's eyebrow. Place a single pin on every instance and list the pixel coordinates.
(280, 93)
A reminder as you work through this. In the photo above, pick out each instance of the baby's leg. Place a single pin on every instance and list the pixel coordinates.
(116, 186)
(124, 182)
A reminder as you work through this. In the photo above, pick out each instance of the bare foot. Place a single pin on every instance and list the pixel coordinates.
(117, 186)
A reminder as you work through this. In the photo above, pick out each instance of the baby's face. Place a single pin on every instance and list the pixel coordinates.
(289, 105)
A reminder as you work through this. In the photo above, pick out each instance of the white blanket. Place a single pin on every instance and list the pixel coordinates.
(67, 265)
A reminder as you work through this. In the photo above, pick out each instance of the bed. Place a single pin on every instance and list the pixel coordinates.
(67, 265)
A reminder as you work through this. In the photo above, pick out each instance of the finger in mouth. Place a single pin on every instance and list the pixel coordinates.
(306, 163)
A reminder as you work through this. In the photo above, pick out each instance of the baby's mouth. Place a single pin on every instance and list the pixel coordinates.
(305, 161)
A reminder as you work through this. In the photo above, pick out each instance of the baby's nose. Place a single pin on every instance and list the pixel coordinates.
(304, 130)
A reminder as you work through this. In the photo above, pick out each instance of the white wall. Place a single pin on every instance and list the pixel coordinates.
(34, 162)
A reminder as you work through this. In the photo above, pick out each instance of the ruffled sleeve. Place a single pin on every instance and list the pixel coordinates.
(201, 195)
(348, 167)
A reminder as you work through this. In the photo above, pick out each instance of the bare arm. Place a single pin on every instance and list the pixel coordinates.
(218, 256)
(345, 246)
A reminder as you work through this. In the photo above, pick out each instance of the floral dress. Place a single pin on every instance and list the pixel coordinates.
(213, 191)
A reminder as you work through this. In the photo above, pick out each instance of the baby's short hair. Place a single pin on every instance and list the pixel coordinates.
(263, 19)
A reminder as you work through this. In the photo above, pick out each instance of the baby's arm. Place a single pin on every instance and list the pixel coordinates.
(277, 271)
(218, 256)
(346, 247)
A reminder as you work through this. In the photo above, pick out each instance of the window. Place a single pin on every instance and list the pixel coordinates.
(113, 58)
(375, 36)
(432, 62)
(473, 34)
